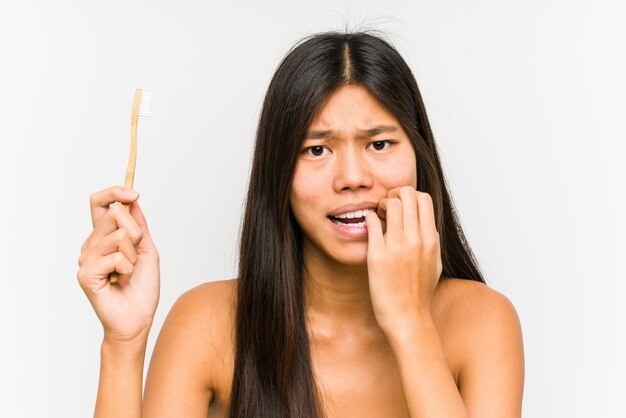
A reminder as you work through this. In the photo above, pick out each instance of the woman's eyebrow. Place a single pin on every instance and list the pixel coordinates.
(376, 130)
(319, 134)
(361, 133)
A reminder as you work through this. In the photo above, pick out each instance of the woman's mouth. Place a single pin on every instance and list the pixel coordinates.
(355, 219)
(351, 224)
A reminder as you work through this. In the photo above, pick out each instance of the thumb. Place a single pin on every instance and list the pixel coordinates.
(137, 214)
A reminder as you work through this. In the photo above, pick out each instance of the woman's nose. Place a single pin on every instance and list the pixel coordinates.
(352, 171)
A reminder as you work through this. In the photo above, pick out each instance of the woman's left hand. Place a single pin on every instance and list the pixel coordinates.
(404, 263)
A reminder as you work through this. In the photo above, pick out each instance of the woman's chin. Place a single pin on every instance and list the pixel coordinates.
(353, 254)
(354, 258)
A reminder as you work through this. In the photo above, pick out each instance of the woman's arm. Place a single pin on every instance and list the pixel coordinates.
(192, 348)
(491, 379)
(121, 377)
(121, 242)
(179, 378)
(492, 360)
(428, 385)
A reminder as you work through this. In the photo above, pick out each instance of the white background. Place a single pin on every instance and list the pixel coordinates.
(526, 100)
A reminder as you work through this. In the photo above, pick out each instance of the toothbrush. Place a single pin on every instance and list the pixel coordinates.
(141, 108)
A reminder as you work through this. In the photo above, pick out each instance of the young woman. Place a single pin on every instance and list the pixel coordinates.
(357, 293)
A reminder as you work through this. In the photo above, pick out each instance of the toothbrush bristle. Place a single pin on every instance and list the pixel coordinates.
(144, 104)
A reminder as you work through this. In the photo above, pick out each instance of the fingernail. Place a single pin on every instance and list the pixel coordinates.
(131, 193)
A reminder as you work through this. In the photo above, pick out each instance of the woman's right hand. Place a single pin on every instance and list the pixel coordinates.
(120, 241)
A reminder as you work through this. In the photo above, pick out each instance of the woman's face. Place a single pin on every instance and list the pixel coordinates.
(354, 152)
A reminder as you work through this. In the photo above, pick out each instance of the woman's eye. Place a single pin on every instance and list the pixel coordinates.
(380, 145)
(315, 151)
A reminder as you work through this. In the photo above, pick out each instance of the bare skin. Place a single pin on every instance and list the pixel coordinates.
(388, 338)
(353, 362)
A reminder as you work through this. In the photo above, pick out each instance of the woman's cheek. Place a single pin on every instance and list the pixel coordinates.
(398, 174)
(305, 195)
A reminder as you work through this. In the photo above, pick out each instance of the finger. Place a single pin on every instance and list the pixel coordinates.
(94, 277)
(146, 245)
(392, 208)
(116, 217)
(381, 211)
(408, 197)
(426, 215)
(375, 239)
(138, 216)
(99, 202)
(121, 265)
(118, 240)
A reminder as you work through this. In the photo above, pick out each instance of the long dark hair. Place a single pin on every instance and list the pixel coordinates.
(273, 377)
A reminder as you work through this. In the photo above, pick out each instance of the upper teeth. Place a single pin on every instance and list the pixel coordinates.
(355, 214)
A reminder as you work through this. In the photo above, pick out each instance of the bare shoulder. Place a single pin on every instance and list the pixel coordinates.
(462, 297)
(206, 309)
(484, 329)
(193, 345)
(475, 312)
(216, 297)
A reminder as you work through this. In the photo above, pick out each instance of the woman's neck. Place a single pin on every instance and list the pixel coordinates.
(337, 296)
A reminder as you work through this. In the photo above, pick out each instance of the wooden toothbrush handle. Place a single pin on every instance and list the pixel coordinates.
(130, 169)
